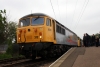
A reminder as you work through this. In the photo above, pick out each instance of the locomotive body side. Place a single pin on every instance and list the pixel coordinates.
(65, 36)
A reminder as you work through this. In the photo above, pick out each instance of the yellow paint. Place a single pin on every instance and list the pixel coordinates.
(33, 36)
(79, 42)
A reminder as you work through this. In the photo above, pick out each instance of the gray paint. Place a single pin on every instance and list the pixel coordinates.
(62, 39)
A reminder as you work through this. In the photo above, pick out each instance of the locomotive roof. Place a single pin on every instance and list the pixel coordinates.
(42, 14)
(35, 14)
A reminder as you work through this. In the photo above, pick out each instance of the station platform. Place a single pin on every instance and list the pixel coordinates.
(79, 57)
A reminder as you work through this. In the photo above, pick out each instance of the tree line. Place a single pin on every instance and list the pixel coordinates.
(7, 29)
(7, 32)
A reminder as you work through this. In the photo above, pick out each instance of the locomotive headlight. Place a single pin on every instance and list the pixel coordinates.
(19, 38)
(40, 36)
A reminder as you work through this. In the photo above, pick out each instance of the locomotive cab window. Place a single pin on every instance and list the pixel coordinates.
(37, 21)
(48, 22)
(24, 22)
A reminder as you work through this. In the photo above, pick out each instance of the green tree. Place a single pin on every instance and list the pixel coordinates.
(11, 35)
(3, 26)
(11, 30)
(7, 31)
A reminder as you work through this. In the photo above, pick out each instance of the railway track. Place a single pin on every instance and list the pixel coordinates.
(27, 62)
(23, 62)
(12, 61)
(37, 63)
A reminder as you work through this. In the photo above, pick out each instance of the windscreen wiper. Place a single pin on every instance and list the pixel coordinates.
(36, 18)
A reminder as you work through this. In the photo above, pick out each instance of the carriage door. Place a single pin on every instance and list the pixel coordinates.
(53, 25)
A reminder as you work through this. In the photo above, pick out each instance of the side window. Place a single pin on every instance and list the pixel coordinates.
(60, 29)
(21, 24)
(57, 30)
(48, 22)
(63, 31)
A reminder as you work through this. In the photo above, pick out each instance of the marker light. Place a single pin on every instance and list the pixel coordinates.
(35, 30)
(24, 31)
(19, 38)
(19, 35)
(40, 36)
(40, 33)
(20, 31)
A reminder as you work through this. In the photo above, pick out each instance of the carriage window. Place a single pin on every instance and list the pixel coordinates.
(60, 30)
(63, 31)
(56, 28)
(24, 22)
(48, 22)
(37, 21)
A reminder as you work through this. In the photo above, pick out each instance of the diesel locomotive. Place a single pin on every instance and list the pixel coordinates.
(40, 35)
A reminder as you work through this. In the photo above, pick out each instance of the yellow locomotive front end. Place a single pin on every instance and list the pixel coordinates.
(35, 33)
(30, 30)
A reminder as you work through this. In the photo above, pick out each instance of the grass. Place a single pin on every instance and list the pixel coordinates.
(5, 56)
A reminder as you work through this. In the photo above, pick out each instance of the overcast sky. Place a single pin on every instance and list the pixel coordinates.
(80, 16)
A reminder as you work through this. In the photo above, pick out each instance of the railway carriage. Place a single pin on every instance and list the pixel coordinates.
(40, 35)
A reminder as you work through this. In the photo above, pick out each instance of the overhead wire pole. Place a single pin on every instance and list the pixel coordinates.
(53, 9)
(82, 13)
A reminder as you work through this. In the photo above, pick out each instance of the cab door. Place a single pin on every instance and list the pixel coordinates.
(49, 30)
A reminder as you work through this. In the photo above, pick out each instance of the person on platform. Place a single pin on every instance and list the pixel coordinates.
(87, 40)
(84, 40)
(93, 40)
(97, 41)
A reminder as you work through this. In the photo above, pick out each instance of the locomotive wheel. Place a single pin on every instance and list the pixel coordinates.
(26, 56)
(45, 54)
(33, 55)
